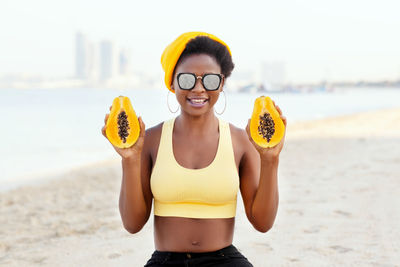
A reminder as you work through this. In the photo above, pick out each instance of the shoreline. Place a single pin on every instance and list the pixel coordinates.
(338, 182)
(297, 126)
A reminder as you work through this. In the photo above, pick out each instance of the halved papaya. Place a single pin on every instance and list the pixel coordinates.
(122, 127)
(266, 125)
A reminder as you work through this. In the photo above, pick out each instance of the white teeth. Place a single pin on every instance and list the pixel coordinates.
(198, 100)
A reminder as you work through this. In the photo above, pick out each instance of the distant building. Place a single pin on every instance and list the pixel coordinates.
(81, 56)
(108, 62)
(93, 61)
(124, 62)
(100, 62)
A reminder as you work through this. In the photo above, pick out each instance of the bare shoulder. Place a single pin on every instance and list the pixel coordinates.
(240, 141)
(152, 140)
(239, 135)
(154, 131)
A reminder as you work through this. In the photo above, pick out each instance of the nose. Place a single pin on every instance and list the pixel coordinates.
(198, 86)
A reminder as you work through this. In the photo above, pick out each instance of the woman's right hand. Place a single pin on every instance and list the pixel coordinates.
(136, 149)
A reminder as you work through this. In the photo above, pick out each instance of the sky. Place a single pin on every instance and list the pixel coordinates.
(316, 40)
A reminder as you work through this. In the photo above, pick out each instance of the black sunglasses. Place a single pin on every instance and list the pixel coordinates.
(211, 81)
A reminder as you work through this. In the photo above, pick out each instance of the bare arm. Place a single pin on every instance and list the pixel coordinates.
(259, 182)
(132, 205)
(134, 202)
(266, 199)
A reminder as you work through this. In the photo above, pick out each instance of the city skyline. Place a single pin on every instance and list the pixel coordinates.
(341, 41)
(99, 61)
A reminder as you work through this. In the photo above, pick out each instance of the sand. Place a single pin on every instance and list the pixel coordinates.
(339, 183)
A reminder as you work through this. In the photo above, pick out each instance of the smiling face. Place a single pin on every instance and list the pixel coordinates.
(197, 101)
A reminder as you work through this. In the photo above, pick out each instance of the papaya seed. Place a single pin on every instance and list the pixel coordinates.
(266, 126)
(123, 126)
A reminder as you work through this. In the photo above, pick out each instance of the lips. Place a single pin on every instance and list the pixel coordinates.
(197, 101)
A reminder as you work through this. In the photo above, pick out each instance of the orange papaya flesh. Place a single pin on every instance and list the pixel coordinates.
(266, 126)
(122, 126)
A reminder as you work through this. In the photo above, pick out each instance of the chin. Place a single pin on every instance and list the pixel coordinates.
(197, 113)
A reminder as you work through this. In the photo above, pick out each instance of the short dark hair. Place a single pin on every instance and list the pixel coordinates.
(206, 45)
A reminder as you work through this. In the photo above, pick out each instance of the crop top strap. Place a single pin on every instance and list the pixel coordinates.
(164, 151)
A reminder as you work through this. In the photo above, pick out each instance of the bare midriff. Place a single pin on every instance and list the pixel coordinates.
(192, 235)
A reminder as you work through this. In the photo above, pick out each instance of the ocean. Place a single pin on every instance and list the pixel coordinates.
(51, 131)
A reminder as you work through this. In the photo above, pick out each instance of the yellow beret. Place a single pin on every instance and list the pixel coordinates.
(173, 51)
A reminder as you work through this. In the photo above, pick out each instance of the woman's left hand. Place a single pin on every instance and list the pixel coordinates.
(269, 153)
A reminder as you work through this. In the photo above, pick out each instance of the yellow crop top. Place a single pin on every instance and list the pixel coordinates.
(209, 192)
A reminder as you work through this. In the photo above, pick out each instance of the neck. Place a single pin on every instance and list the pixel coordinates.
(197, 125)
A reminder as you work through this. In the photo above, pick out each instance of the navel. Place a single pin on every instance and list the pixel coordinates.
(195, 243)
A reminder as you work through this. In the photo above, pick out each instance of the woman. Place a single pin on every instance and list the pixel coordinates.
(194, 165)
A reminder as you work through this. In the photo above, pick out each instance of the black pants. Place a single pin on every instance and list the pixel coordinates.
(228, 256)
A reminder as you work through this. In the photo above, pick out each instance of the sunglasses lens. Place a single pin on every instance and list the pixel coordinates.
(186, 81)
(211, 81)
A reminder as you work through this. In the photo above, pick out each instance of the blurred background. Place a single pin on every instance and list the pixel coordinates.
(63, 62)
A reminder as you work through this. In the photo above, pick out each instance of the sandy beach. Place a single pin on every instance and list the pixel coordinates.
(339, 182)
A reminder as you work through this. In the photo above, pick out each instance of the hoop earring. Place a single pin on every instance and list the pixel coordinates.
(224, 105)
(168, 104)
